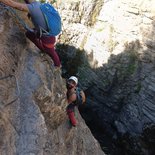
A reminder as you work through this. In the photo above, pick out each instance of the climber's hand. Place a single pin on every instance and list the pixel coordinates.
(16, 5)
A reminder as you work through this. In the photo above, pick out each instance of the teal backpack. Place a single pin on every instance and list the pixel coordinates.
(52, 18)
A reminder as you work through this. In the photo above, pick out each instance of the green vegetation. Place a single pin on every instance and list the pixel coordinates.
(111, 43)
(71, 58)
(52, 1)
(127, 65)
(99, 30)
(138, 87)
(131, 69)
(133, 57)
(95, 12)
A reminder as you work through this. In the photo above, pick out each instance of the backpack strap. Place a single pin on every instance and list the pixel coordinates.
(43, 32)
(79, 100)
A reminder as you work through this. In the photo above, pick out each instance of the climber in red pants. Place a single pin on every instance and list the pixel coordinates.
(45, 44)
(37, 36)
(75, 97)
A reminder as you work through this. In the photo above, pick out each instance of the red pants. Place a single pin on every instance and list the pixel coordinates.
(71, 115)
(46, 44)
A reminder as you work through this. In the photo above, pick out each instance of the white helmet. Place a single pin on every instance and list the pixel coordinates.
(74, 79)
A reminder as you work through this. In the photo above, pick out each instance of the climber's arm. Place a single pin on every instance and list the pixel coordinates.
(16, 5)
(83, 96)
(72, 98)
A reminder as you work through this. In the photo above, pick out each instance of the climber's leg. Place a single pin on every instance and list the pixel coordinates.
(32, 36)
(72, 119)
(48, 43)
(71, 115)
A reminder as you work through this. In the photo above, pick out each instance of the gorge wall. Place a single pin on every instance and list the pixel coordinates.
(110, 45)
(33, 119)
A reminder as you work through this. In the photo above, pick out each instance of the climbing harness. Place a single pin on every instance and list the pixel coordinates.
(17, 86)
(14, 13)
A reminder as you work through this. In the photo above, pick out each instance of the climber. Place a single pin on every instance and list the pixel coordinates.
(75, 97)
(39, 34)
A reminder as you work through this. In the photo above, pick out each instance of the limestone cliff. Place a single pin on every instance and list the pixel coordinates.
(115, 45)
(33, 120)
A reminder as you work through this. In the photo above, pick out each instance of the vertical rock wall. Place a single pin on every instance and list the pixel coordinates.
(118, 71)
(33, 119)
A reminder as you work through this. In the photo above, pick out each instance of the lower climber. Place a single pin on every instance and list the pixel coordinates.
(41, 40)
(75, 97)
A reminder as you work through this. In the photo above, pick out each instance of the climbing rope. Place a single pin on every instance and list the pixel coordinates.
(17, 86)
(14, 13)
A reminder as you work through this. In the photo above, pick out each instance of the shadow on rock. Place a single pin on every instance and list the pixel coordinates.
(117, 108)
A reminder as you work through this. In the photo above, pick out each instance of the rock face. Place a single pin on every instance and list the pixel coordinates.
(118, 70)
(33, 120)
